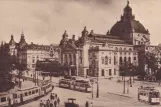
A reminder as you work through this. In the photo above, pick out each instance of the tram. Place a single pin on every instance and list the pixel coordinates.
(22, 96)
(149, 94)
(78, 85)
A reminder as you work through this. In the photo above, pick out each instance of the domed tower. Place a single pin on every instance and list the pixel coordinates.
(130, 30)
(64, 39)
(12, 46)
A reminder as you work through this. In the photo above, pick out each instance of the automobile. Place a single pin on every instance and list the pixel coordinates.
(71, 103)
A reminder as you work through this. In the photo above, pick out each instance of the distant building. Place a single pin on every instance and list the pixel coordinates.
(29, 54)
(119, 45)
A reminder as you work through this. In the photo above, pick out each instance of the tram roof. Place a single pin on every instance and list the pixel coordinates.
(24, 89)
(148, 89)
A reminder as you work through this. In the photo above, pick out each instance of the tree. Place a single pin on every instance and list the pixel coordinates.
(6, 67)
(151, 61)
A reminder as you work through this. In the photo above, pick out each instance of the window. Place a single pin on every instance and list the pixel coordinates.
(116, 49)
(30, 93)
(129, 59)
(114, 71)
(125, 53)
(33, 92)
(33, 61)
(114, 60)
(120, 60)
(120, 48)
(120, 53)
(3, 99)
(134, 58)
(110, 72)
(109, 61)
(36, 91)
(26, 94)
(125, 59)
(130, 49)
(106, 60)
(103, 72)
(103, 60)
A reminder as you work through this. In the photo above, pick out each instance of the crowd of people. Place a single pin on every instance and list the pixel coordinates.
(54, 101)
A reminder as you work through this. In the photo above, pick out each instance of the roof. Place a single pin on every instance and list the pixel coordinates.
(128, 26)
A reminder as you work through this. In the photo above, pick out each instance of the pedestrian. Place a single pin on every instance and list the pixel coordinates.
(51, 96)
(58, 100)
(41, 103)
(51, 104)
(87, 104)
(44, 103)
(56, 95)
(52, 87)
(55, 103)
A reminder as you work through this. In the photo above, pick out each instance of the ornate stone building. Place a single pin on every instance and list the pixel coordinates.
(122, 43)
(29, 54)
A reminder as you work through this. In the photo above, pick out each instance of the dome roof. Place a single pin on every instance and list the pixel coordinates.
(128, 26)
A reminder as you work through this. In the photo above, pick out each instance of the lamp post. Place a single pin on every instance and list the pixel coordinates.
(124, 85)
(127, 86)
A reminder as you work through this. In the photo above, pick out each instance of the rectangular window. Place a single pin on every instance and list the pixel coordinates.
(36, 91)
(103, 72)
(3, 99)
(134, 58)
(114, 71)
(33, 92)
(109, 61)
(103, 61)
(30, 93)
(110, 70)
(26, 94)
(33, 61)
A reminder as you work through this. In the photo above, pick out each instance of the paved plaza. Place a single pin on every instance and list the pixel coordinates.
(110, 95)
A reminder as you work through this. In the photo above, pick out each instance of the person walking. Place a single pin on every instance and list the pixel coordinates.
(56, 95)
(51, 96)
(41, 103)
(87, 104)
(58, 100)
(55, 103)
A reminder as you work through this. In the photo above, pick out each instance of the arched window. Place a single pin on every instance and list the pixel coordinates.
(129, 59)
(120, 48)
(124, 49)
(116, 49)
(106, 60)
(130, 49)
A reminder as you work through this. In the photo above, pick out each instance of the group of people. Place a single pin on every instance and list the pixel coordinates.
(54, 101)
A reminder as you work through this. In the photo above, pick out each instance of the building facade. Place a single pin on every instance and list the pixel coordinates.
(29, 54)
(124, 42)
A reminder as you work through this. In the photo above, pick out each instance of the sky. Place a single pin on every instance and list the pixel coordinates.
(44, 21)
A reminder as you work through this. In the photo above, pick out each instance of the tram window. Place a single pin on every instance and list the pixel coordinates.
(36, 91)
(3, 99)
(33, 92)
(14, 95)
(25, 93)
(29, 92)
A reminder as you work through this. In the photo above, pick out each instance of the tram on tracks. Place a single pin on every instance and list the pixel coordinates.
(22, 96)
(149, 94)
(78, 85)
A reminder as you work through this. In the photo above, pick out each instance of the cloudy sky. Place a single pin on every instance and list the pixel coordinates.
(44, 21)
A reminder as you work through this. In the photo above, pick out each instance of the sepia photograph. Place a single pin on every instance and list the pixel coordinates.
(80, 53)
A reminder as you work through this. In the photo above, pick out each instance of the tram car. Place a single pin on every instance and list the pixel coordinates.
(78, 85)
(65, 83)
(22, 96)
(149, 95)
(82, 85)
